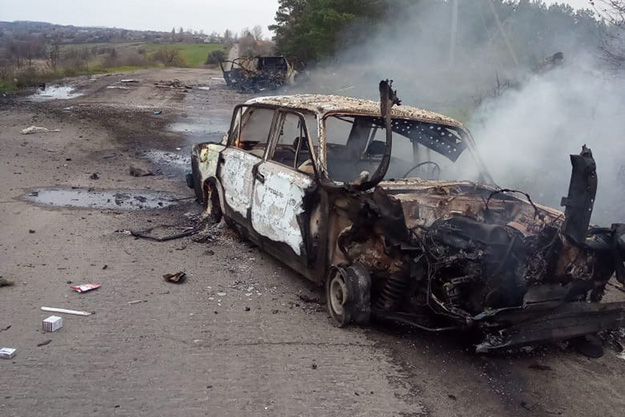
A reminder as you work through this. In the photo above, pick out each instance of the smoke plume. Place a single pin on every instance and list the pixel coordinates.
(527, 114)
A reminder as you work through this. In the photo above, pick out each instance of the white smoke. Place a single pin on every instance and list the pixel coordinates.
(526, 120)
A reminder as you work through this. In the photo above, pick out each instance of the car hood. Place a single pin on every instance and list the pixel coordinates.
(424, 202)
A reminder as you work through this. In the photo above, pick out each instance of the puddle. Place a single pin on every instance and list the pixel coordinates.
(102, 199)
(171, 163)
(200, 130)
(54, 92)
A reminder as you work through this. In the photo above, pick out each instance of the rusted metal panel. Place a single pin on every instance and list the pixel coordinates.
(237, 179)
(278, 201)
(328, 104)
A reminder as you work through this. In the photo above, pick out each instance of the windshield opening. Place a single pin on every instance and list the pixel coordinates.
(355, 146)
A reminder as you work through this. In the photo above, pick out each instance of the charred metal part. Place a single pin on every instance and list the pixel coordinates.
(618, 251)
(393, 293)
(255, 74)
(348, 294)
(388, 99)
(569, 320)
(581, 198)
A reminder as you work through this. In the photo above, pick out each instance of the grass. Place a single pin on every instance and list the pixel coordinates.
(6, 86)
(194, 54)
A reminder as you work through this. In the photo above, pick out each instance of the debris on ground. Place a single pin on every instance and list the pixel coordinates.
(158, 112)
(177, 278)
(62, 310)
(203, 238)
(52, 324)
(45, 342)
(84, 287)
(137, 302)
(129, 81)
(540, 367)
(94, 176)
(150, 234)
(175, 83)
(7, 353)
(310, 300)
(37, 129)
(4, 282)
(139, 172)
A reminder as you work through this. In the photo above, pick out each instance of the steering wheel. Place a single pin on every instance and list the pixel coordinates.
(435, 169)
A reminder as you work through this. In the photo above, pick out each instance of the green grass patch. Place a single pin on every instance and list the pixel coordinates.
(194, 54)
(7, 86)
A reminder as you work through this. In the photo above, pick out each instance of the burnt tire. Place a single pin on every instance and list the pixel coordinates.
(348, 295)
(212, 205)
(194, 180)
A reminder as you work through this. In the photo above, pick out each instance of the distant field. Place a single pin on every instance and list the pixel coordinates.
(194, 54)
(92, 58)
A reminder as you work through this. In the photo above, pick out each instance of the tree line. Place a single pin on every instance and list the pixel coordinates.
(314, 30)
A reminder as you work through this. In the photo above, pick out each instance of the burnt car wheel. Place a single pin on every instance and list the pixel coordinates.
(194, 180)
(212, 205)
(348, 295)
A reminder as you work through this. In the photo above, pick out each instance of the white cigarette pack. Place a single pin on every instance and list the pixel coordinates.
(7, 353)
(52, 323)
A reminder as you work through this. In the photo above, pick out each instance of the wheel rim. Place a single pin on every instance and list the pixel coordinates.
(338, 294)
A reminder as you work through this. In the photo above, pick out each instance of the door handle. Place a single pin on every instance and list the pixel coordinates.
(260, 177)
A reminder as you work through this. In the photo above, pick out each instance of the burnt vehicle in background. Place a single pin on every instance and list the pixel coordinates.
(254, 74)
(363, 197)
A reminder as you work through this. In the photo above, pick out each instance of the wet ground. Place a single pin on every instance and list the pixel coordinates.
(102, 199)
(243, 335)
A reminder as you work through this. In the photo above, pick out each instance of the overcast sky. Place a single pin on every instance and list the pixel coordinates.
(206, 15)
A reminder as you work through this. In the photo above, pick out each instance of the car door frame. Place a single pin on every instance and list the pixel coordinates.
(305, 261)
(231, 212)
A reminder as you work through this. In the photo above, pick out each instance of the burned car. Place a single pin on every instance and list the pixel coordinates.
(363, 198)
(251, 75)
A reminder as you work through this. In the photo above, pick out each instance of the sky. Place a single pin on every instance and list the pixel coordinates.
(206, 15)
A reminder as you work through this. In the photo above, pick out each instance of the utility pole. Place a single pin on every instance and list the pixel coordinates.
(503, 33)
(453, 34)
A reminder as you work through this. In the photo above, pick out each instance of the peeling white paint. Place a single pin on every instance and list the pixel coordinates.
(277, 203)
(237, 179)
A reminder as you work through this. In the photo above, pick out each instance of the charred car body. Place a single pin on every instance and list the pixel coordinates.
(359, 196)
(250, 75)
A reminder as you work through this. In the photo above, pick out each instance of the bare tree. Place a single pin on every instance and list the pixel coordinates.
(257, 32)
(228, 37)
(613, 12)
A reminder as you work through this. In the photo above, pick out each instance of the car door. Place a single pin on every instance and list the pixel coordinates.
(247, 144)
(283, 181)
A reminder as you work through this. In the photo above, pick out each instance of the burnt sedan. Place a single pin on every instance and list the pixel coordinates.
(365, 198)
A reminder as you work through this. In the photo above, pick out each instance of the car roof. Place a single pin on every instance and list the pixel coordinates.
(322, 105)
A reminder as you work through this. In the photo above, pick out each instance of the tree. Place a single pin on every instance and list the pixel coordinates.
(257, 32)
(228, 37)
(308, 30)
(613, 11)
(169, 56)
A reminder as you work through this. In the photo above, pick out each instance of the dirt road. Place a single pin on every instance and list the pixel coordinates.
(243, 335)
